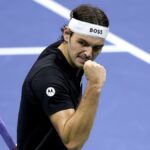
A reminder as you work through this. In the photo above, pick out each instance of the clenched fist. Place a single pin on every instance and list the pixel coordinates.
(95, 73)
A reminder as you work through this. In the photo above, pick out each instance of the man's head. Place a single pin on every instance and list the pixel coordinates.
(85, 34)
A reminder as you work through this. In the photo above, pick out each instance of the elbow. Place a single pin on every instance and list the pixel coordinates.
(74, 142)
(74, 146)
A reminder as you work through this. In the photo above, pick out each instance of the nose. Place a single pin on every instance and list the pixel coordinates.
(89, 51)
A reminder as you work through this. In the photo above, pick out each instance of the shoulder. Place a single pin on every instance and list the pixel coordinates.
(49, 74)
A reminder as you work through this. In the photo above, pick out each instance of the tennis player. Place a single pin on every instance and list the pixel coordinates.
(54, 115)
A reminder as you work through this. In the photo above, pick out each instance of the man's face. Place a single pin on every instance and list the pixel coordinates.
(82, 48)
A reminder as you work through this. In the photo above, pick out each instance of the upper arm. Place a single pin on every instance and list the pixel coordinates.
(59, 107)
(51, 80)
(60, 119)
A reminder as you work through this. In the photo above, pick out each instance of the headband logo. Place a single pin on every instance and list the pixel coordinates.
(98, 31)
(87, 28)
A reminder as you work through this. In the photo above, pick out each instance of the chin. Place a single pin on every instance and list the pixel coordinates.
(79, 65)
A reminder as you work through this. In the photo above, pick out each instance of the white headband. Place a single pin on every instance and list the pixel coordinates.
(88, 28)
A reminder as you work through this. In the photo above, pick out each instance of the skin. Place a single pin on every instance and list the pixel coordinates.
(80, 48)
(74, 126)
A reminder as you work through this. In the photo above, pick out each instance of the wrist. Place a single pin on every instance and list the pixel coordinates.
(94, 86)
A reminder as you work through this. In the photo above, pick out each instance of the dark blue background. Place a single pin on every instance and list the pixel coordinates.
(122, 121)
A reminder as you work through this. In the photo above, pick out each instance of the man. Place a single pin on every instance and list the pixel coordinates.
(53, 115)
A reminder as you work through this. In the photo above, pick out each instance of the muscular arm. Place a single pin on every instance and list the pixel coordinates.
(74, 126)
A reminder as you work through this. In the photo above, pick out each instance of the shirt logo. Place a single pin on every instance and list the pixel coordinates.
(98, 31)
(50, 91)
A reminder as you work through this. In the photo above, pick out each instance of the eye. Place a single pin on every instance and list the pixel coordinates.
(82, 43)
(97, 48)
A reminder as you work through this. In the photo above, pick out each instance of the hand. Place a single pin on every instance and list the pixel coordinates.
(95, 73)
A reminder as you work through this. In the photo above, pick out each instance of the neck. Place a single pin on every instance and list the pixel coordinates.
(63, 47)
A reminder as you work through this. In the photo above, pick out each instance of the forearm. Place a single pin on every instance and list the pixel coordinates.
(78, 127)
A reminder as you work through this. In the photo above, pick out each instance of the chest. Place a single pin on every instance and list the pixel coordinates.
(75, 89)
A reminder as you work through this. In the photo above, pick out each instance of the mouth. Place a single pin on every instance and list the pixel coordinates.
(82, 60)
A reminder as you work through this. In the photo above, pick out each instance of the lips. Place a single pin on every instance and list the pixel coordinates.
(82, 60)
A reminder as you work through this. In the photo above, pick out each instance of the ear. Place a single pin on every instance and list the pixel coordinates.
(66, 34)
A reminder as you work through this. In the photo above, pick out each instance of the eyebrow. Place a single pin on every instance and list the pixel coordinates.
(87, 43)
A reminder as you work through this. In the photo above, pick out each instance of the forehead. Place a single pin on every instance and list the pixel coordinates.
(91, 40)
